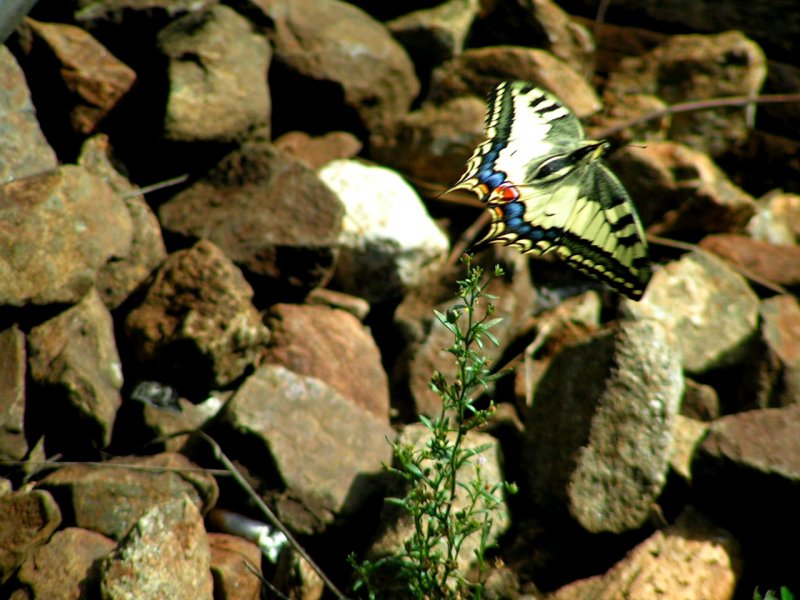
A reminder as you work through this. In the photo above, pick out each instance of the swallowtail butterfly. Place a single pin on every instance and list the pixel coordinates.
(548, 189)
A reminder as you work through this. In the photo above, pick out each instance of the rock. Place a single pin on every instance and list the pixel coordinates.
(64, 568)
(358, 307)
(692, 559)
(333, 346)
(93, 14)
(196, 324)
(75, 78)
(76, 375)
(780, 327)
(295, 578)
(166, 555)
(777, 219)
(28, 520)
(13, 359)
(698, 67)
(710, 307)
(769, 262)
(478, 70)
(599, 432)
(67, 225)
(326, 475)
(269, 213)
(218, 76)
(396, 524)
(317, 151)
(117, 279)
(235, 567)
(24, 151)
(112, 498)
(688, 434)
(434, 35)
(433, 143)
(623, 109)
(687, 194)
(313, 42)
(387, 239)
(700, 401)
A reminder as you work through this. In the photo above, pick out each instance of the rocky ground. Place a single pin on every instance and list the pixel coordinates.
(227, 217)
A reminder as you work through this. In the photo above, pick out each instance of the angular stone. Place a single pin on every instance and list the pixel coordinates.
(266, 211)
(770, 262)
(166, 555)
(387, 239)
(110, 499)
(27, 520)
(82, 79)
(77, 374)
(688, 434)
(196, 324)
(341, 444)
(317, 151)
(780, 328)
(478, 70)
(700, 402)
(91, 13)
(358, 307)
(710, 307)
(66, 225)
(599, 433)
(65, 567)
(24, 151)
(218, 76)
(692, 560)
(777, 220)
(332, 346)
(13, 358)
(118, 278)
(314, 57)
(235, 567)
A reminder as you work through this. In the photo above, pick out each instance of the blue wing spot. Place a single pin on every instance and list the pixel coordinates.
(514, 209)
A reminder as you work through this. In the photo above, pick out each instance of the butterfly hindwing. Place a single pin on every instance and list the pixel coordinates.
(548, 189)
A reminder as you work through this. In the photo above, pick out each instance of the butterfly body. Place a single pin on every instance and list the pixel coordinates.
(548, 189)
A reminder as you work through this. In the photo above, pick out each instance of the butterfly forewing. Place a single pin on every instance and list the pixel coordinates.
(549, 191)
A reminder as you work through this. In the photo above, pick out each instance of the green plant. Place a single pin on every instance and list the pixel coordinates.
(770, 595)
(443, 518)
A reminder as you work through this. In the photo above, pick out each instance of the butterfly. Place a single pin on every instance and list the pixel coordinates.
(548, 189)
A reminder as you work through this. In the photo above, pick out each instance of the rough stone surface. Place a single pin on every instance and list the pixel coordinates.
(777, 220)
(110, 499)
(710, 307)
(235, 566)
(388, 239)
(24, 151)
(27, 520)
(317, 151)
(700, 402)
(76, 369)
(780, 328)
(13, 358)
(688, 434)
(66, 225)
(333, 346)
(64, 568)
(267, 212)
(322, 445)
(166, 555)
(218, 76)
(692, 559)
(196, 323)
(599, 433)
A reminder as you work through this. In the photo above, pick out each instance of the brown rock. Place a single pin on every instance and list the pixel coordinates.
(692, 560)
(688, 434)
(770, 262)
(77, 372)
(326, 474)
(590, 441)
(267, 212)
(777, 219)
(196, 322)
(295, 578)
(64, 568)
(27, 520)
(698, 67)
(333, 346)
(235, 566)
(478, 70)
(13, 358)
(358, 307)
(66, 225)
(317, 151)
(166, 555)
(117, 279)
(91, 14)
(110, 499)
(700, 402)
(780, 327)
(314, 42)
(76, 67)
(218, 76)
(24, 151)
